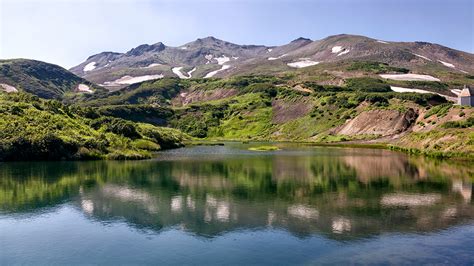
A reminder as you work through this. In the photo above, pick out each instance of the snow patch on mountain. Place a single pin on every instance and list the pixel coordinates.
(89, 67)
(8, 88)
(336, 49)
(447, 64)
(222, 59)
(402, 90)
(213, 73)
(127, 80)
(276, 58)
(303, 63)
(152, 65)
(379, 41)
(346, 51)
(84, 88)
(269, 50)
(177, 71)
(456, 91)
(409, 77)
(190, 73)
(181, 75)
(424, 57)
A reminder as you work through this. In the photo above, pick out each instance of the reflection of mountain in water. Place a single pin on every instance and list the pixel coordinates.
(348, 195)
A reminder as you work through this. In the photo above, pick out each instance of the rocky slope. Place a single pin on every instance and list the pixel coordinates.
(211, 57)
(379, 122)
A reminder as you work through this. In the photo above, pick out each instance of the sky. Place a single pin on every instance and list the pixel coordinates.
(66, 32)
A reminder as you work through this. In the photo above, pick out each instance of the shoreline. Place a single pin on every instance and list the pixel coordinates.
(380, 145)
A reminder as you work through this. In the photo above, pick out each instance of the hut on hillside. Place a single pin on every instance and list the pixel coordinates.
(466, 97)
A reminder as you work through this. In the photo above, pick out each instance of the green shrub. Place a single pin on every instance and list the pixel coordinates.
(366, 84)
(34, 129)
(46, 147)
(143, 144)
(460, 124)
(375, 67)
(439, 110)
(117, 126)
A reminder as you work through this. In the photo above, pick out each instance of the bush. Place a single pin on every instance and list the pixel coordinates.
(375, 67)
(47, 147)
(116, 126)
(167, 138)
(34, 129)
(366, 84)
(460, 124)
(147, 145)
(439, 110)
(152, 114)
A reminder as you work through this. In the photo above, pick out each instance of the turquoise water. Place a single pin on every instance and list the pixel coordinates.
(227, 205)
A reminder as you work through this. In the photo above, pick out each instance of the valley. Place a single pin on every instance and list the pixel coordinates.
(344, 89)
(236, 132)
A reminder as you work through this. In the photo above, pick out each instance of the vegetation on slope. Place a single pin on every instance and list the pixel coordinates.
(36, 129)
(304, 105)
(278, 108)
(45, 80)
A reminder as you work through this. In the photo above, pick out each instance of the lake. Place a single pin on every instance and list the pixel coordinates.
(227, 205)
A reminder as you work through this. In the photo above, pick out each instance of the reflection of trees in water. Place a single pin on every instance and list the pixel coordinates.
(334, 195)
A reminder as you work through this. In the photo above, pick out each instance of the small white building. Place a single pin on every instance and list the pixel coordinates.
(466, 97)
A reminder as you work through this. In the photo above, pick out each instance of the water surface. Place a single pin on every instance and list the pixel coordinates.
(227, 205)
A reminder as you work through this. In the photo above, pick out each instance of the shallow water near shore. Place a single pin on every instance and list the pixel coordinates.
(229, 205)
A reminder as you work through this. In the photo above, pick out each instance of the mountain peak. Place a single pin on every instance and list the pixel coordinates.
(345, 36)
(103, 54)
(209, 40)
(301, 39)
(212, 38)
(141, 49)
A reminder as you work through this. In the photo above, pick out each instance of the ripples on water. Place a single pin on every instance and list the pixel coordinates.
(225, 204)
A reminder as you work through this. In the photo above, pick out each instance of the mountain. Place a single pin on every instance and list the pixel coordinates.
(211, 57)
(342, 88)
(43, 79)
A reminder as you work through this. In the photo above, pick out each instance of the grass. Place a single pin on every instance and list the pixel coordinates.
(439, 110)
(439, 142)
(264, 148)
(459, 124)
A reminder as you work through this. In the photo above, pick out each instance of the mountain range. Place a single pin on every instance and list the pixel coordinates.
(338, 89)
(210, 57)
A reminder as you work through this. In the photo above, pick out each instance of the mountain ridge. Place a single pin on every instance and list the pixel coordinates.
(211, 57)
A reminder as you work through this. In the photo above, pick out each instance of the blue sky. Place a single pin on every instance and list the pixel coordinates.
(67, 32)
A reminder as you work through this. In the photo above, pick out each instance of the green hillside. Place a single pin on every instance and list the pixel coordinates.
(282, 109)
(36, 129)
(346, 103)
(45, 80)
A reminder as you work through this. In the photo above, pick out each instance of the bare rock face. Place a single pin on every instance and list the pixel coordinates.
(284, 111)
(186, 98)
(379, 122)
